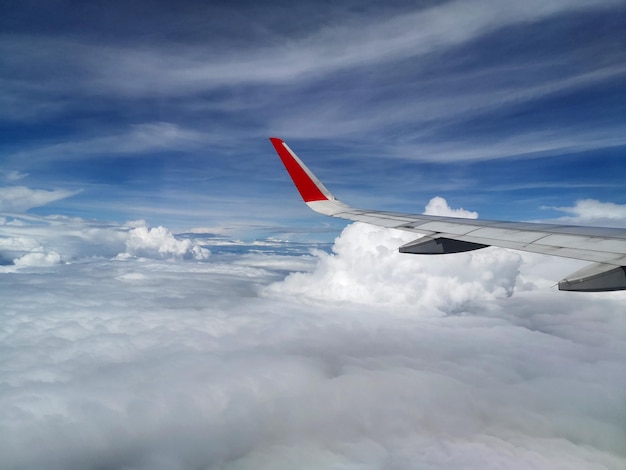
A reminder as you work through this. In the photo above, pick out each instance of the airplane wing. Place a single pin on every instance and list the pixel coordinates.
(605, 247)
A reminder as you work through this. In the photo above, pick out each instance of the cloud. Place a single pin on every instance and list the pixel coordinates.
(126, 346)
(306, 86)
(21, 198)
(138, 140)
(27, 241)
(591, 211)
(38, 259)
(366, 267)
(336, 45)
(172, 363)
(160, 243)
(12, 175)
(332, 47)
(524, 144)
(439, 206)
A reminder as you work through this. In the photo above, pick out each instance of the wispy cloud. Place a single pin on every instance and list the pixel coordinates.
(22, 198)
(359, 42)
(524, 144)
(11, 175)
(355, 43)
(138, 140)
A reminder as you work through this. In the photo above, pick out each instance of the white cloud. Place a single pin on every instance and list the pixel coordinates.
(12, 175)
(151, 363)
(30, 240)
(367, 268)
(439, 206)
(341, 45)
(138, 140)
(160, 243)
(21, 198)
(346, 43)
(38, 259)
(592, 211)
(329, 49)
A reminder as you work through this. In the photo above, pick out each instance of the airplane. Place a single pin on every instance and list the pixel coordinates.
(605, 247)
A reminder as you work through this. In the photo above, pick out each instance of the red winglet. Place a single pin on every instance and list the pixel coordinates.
(306, 186)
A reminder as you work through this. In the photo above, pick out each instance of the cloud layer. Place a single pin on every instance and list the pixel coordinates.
(43, 241)
(163, 359)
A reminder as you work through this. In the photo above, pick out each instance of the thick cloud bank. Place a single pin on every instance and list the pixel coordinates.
(366, 267)
(162, 360)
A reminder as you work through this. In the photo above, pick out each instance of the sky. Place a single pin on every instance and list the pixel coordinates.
(168, 301)
(162, 112)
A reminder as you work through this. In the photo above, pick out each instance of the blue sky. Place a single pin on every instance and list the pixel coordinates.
(161, 111)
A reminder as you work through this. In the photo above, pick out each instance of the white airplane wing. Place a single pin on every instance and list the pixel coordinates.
(605, 247)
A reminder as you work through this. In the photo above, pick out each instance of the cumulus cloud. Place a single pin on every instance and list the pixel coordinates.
(439, 206)
(21, 198)
(41, 241)
(366, 267)
(38, 259)
(159, 242)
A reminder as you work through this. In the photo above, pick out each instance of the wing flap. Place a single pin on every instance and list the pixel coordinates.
(596, 278)
(583, 250)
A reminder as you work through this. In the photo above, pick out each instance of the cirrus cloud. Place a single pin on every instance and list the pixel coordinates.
(22, 198)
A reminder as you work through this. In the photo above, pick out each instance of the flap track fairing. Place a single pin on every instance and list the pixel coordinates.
(439, 246)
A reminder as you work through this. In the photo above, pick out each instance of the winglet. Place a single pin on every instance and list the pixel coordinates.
(309, 186)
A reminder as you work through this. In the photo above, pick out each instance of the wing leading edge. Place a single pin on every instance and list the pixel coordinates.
(606, 247)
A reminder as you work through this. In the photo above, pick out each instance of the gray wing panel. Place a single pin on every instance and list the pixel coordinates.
(602, 245)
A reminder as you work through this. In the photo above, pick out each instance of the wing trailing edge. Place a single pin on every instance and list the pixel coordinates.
(606, 247)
